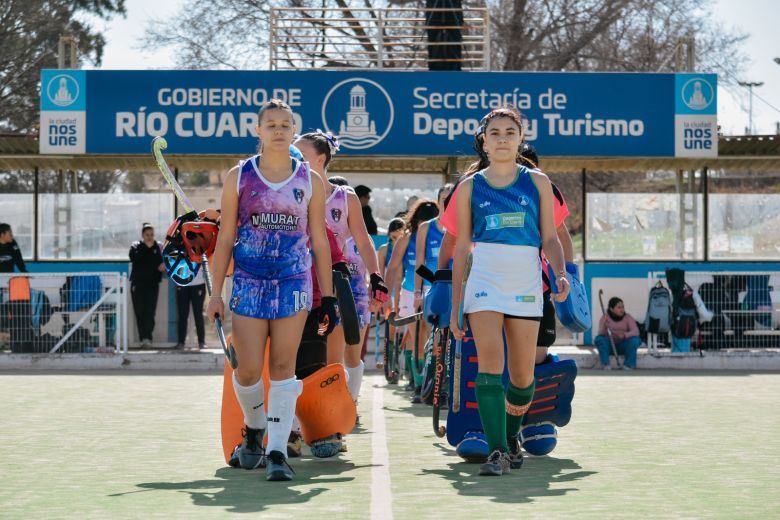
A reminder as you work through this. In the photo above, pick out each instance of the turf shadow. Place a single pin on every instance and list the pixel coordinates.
(241, 491)
(539, 477)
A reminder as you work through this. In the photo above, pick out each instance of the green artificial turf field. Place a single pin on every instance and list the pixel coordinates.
(641, 445)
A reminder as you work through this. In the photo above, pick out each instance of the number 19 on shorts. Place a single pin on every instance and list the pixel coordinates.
(301, 299)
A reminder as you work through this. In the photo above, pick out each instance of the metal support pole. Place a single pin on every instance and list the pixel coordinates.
(705, 180)
(584, 213)
(380, 52)
(36, 223)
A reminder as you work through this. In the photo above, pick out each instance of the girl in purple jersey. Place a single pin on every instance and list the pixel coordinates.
(343, 216)
(272, 221)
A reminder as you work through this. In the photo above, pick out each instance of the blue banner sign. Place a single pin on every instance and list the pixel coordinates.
(380, 113)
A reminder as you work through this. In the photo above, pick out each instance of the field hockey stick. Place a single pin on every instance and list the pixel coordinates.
(609, 332)
(230, 352)
(396, 321)
(377, 339)
(158, 145)
(444, 335)
(459, 343)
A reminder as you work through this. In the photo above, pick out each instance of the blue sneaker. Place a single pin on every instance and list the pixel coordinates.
(250, 453)
(278, 469)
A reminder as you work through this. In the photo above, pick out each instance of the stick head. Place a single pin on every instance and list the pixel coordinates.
(158, 144)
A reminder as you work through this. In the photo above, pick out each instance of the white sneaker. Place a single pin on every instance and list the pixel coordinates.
(607, 367)
(627, 368)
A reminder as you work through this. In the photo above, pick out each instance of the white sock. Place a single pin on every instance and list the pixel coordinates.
(251, 399)
(281, 410)
(355, 379)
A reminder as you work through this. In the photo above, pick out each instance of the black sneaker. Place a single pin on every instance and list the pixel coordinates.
(515, 453)
(497, 464)
(251, 454)
(417, 397)
(278, 469)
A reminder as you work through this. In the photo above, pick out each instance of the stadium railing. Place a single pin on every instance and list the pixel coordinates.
(64, 312)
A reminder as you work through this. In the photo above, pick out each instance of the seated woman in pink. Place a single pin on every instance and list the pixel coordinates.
(625, 333)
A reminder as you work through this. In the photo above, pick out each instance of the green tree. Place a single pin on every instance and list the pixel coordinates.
(29, 36)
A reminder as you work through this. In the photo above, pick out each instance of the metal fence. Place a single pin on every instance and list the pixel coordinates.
(741, 310)
(63, 312)
(404, 38)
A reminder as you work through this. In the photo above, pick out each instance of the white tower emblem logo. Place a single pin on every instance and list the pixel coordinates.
(357, 128)
(358, 121)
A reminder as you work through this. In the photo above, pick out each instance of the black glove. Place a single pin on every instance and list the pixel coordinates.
(342, 268)
(378, 288)
(326, 315)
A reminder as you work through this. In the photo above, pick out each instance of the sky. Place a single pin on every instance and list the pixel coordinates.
(758, 18)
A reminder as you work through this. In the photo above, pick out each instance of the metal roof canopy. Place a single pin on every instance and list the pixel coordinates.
(759, 153)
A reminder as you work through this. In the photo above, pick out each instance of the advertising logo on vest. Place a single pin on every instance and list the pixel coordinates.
(359, 111)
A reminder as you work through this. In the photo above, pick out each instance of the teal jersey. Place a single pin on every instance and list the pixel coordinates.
(410, 259)
(433, 245)
(508, 215)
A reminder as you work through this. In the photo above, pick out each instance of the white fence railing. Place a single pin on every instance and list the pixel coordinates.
(64, 312)
(400, 38)
(744, 308)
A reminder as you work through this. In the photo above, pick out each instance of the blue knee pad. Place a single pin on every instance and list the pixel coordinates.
(551, 406)
(438, 302)
(539, 439)
(473, 447)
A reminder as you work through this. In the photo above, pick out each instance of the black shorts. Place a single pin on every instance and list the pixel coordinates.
(313, 350)
(546, 335)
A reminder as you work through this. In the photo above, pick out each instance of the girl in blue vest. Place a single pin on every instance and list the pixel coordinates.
(273, 219)
(505, 213)
(395, 229)
(427, 246)
(403, 264)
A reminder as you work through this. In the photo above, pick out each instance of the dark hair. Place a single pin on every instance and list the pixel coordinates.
(479, 138)
(423, 209)
(395, 224)
(528, 156)
(4, 228)
(613, 302)
(449, 186)
(326, 144)
(338, 180)
(362, 190)
(146, 226)
(270, 105)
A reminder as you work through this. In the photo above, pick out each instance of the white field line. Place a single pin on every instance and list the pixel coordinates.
(381, 491)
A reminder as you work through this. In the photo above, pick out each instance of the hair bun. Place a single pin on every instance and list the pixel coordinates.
(333, 141)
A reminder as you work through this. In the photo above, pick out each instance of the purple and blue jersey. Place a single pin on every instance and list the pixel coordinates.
(272, 277)
(337, 214)
(359, 283)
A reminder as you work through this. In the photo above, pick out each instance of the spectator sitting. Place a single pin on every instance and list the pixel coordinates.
(625, 333)
(364, 194)
(10, 254)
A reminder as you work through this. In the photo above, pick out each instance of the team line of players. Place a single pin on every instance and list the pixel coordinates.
(287, 227)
